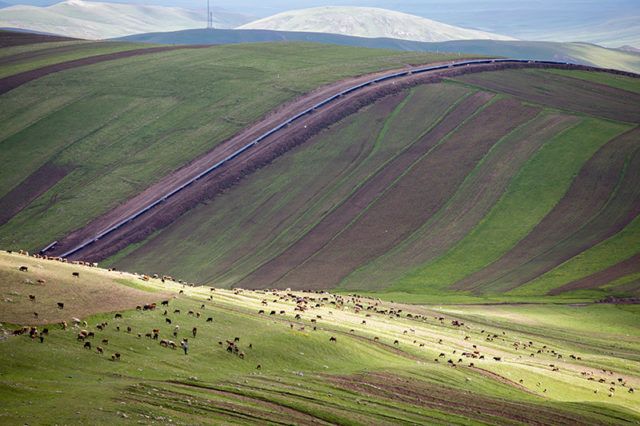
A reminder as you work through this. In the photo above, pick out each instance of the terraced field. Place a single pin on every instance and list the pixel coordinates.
(506, 185)
(389, 363)
(77, 143)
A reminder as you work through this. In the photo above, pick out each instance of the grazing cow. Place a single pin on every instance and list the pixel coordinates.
(60, 305)
(165, 303)
(167, 320)
(164, 343)
(41, 281)
(236, 339)
(105, 341)
(272, 313)
(32, 297)
(194, 331)
(87, 345)
(375, 339)
(210, 319)
(76, 274)
(24, 269)
(99, 350)
(258, 367)
(261, 311)
(128, 329)
(115, 357)
(241, 355)
(176, 311)
(396, 342)
(497, 358)
(333, 339)
(118, 316)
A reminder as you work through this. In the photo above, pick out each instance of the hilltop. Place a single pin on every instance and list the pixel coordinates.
(580, 53)
(98, 20)
(367, 22)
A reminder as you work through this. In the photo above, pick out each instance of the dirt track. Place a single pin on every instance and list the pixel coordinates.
(11, 82)
(260, 155)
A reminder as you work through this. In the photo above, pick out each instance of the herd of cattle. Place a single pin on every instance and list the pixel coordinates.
(303, 304)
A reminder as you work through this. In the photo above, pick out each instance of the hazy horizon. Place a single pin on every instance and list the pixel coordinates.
(559, 20)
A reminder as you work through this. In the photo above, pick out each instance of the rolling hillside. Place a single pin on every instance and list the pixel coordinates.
(580, 53)
(77, 143)
(367, 22)
(343, 360)
(97, 20)
(509, 184)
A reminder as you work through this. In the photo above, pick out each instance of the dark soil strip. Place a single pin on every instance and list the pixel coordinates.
(411, 201)
(585, 216)
(626, 267)
(450, 400)
(349, 210)
(51, 51)
(11, 82)
(31, 188)
(17, 38)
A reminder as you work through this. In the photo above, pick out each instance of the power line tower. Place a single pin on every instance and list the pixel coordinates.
(209, 16)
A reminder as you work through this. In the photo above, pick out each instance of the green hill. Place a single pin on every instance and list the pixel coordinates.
(76, 143)
(389, 364)
(507, 185)
(581, 53)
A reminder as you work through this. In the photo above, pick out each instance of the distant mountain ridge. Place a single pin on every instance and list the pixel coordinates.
(368, 22)
(98, 20)
(582, 53)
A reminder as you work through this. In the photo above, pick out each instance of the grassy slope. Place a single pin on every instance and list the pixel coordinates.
(104, 121)
(331, 169)
(252, 223)
(304, 377)
(42, 54)
(531, 195)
